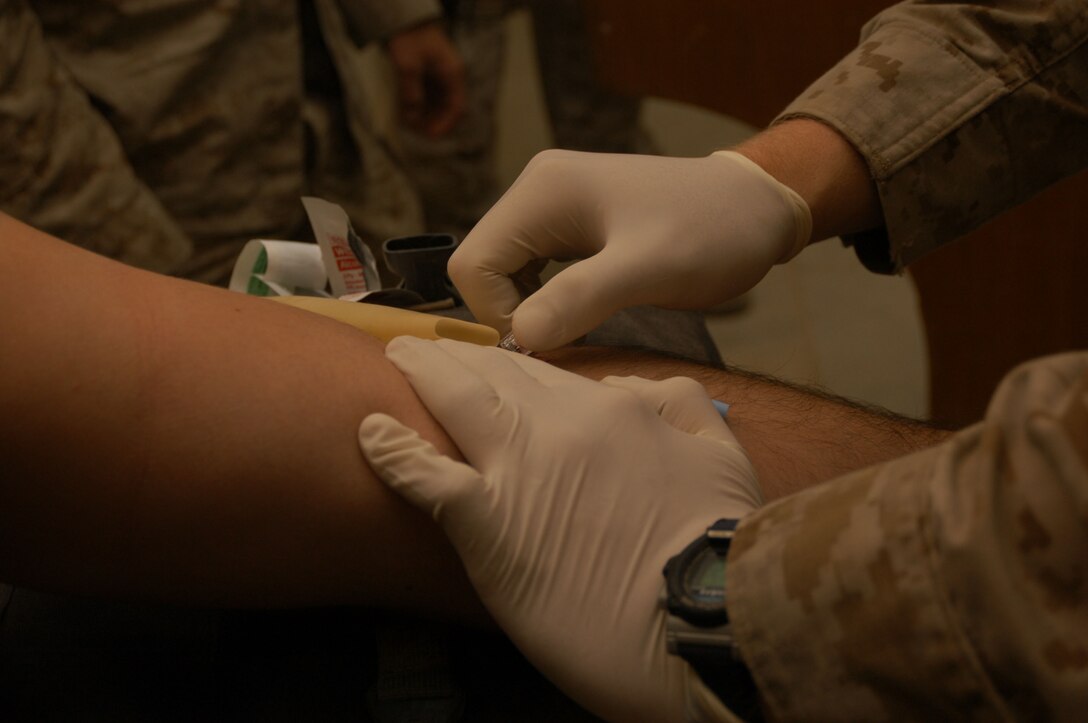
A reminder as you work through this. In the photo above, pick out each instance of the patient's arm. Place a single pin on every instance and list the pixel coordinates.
(795, 437)
(168, 440)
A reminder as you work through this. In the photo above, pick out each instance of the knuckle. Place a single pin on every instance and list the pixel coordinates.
(463, 263)
(548, 161)
(683, 387)
(618, 381)
(621, 401)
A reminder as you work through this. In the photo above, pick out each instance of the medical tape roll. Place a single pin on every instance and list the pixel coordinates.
(278, 268)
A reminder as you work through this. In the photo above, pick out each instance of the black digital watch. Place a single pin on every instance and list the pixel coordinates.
(697, 628)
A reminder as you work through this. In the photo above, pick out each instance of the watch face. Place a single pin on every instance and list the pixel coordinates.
(704, 581)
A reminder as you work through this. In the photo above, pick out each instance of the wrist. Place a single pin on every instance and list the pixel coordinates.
(824, 169)
(793, 241)
(698, 629)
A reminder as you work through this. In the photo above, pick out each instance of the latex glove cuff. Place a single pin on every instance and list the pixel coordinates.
(802, 216)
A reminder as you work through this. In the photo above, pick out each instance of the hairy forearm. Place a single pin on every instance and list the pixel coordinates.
(795, 437)
(824, 169)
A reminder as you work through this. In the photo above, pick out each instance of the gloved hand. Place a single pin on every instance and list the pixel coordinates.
(577, 494)
(682, 233)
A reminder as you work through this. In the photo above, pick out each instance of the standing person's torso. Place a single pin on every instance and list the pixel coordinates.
(205, 96)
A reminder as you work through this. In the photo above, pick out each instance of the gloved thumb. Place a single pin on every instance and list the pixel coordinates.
(414, 469)
(680, 401)
(576, 301)
(683, 403)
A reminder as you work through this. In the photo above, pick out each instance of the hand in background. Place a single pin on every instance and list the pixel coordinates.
(574, 496)
(430, 79)
(681, 233)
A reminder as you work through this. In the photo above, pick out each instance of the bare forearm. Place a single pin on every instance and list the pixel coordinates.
(794, 437)
(173, 441)
(821, 166)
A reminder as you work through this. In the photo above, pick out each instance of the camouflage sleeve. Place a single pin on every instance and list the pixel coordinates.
(952, 583)
(372, 20)
(961, 110)
(62, 168)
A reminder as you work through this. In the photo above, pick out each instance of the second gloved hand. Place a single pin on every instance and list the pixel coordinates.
(681, 233)
(575, 495)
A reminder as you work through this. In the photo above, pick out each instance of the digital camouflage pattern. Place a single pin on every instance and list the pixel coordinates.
(961, 111)
(455, 174)
(949, 584)
(167, 133)
(952, 583)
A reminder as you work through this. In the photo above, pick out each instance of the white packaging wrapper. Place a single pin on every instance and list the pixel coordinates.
(279, 268)
(349, 263)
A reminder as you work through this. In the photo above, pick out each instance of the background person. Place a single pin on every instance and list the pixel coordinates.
(167, 134)
(455, 174)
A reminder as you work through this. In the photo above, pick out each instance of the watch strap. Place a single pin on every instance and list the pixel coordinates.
(704, 640)
(729, 679)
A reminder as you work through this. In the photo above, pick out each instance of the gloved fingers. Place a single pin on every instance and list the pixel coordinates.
(527, 280)
(485, 268)
(508, 378)
(493, 295)
(535, 220)
(414, 469)
(460, 397)
(579, 298)
(504, 371)
(550, 167)
(680, 401)
(490, 294)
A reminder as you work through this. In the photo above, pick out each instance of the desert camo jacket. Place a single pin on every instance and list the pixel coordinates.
(951, 584)
(166, 133)
(962, 111)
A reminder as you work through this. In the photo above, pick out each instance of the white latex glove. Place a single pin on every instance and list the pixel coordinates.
(577, 494)
(682, 233)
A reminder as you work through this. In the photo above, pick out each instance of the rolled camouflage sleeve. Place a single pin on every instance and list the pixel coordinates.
(950, 584)
(961, 111)
(62, 168)
(372, 20)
